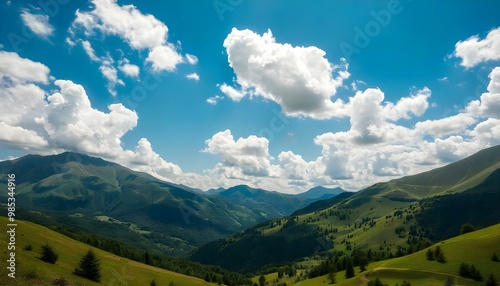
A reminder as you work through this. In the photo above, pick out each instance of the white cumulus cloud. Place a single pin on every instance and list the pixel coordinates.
(475, 50)
(140, 31)
(128, 69)
(300, 79)
(37, 23)
(193, 76)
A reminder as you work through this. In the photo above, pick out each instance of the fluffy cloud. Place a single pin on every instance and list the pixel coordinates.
(37, 23)
(455, 124)
(231, 92)
(475, 50)
(416, 104)
(487, 132)
(34, 121)
(213, 100)
(87, 47)
(489, 103)
(111, 74)
(191, 59)
(20, 99)
(241, 158)
(294, 166)
(15, 68)
(72, 123)
(164, 58)
(140, 31)
(300, 79)
(15, 137)
(193, 76)
(129, 69)
(369, 118)
(146, 160)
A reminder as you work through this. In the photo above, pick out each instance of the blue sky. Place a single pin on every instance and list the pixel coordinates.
(283, 95)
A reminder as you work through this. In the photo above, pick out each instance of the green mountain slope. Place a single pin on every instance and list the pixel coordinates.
(76, 189)
(390, 219)
(272, 204)
(114, 269)
(473, 248)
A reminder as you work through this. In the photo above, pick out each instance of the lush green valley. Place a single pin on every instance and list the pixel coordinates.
(112, 201)
(408, 229)
(383, 221)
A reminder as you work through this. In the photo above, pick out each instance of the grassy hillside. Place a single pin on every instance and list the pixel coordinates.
(473, 248)
(389, 219)
(75, 189)
(114, 269)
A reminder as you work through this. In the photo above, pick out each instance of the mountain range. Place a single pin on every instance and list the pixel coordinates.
(107, 199)
(247, 229)
(388, 219)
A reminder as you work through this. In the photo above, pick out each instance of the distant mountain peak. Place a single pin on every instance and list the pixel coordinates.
(320, 192)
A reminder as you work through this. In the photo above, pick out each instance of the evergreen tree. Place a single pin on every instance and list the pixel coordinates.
(363, 262)
(262, 280)
(437, 252)
(440, 258)
(448, 282)
(153, 283)
(171, 284)
(375, 282)
(331, 273)
(464, 270)
(494, 257)
(492, 281)
(429, 254)
(349, 269)
(147, 258)
(48, 254)
(89, 267)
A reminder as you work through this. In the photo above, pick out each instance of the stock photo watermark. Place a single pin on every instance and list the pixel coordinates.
(120, 278)
(11, 224)
(364, 35)
(222, 7)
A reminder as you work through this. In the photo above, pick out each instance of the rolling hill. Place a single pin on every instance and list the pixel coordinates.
(109, 200)
(473, 248)
(115, 270)
(96, 195)
(390, 219)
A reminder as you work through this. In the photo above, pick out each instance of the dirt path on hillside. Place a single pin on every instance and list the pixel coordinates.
(365, 279)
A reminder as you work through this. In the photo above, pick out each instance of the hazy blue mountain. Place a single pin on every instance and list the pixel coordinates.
(271, 204)
(321, 193)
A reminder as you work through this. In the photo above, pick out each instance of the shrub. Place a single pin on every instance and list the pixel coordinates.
(492, 281)
(469, 271)
(466, 228)
(60, 281)
(48, 254)
(89, 267)
(31, 274)
(494, 257)
(375, 282)
(429, 254)
(28, 247)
